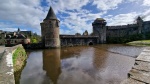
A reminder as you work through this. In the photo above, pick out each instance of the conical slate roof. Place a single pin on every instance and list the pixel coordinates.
(139, 18)
(51, 14)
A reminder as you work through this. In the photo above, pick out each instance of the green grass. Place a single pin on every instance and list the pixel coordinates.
(140, 43)
(19, 53)
(19, 61)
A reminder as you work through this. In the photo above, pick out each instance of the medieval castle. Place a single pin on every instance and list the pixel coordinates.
(101, 32)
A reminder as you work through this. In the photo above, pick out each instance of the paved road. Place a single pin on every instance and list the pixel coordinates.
(2, 48)
(6, 70)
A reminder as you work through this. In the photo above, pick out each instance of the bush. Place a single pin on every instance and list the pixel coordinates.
(125, 39)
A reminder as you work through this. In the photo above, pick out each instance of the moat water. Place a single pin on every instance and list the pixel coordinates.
(100, 64)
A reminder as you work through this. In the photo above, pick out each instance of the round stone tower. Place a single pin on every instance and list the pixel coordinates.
(50, 30)
(99, 29)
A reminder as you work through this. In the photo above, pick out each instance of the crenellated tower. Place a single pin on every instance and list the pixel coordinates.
(99, 29)
(50, 30)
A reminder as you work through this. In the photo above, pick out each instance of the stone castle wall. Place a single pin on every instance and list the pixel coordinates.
(121, 31)
(122, 26)
(146, 26)
(127, 30)
(73, 40)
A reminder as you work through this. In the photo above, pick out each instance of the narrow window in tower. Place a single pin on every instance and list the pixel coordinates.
(57, 24)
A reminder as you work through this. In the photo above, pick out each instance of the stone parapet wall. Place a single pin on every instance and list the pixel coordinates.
(6, 65)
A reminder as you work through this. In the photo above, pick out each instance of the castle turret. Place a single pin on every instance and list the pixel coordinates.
(85, 33)
(140, 24)
(50, 30)
(99, 29)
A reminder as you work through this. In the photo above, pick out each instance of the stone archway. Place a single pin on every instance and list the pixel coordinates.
(90, 43)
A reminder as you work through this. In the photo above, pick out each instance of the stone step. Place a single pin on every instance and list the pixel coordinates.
(142, 66)
(145, 58)
(140, 75)
(131, 81)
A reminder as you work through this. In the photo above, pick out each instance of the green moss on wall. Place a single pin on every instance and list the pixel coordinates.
(19, 61)
(19, 57)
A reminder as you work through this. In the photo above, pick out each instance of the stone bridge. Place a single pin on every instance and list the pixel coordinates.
(67, 40)
(73, 40)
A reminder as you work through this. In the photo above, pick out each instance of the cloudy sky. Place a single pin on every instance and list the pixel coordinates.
(74, 15)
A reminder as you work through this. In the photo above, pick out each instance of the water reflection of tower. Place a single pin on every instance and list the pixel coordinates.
(52, 64)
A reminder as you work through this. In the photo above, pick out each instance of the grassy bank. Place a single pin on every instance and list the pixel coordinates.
(19, 61)
(140, 43)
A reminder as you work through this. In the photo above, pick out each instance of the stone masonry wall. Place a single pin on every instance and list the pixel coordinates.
(6, 65)
(75, 41)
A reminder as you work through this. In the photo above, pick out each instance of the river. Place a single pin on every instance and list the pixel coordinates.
(99, 64)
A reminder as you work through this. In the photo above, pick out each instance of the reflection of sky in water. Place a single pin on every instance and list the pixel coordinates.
(83, 61)
(32, 71)
(81, 70)
(80, 65)
(75, 71)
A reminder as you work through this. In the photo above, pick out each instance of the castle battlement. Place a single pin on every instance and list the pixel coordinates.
(118, 27)
(122, 26)
(132, 25)
(147, 22)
